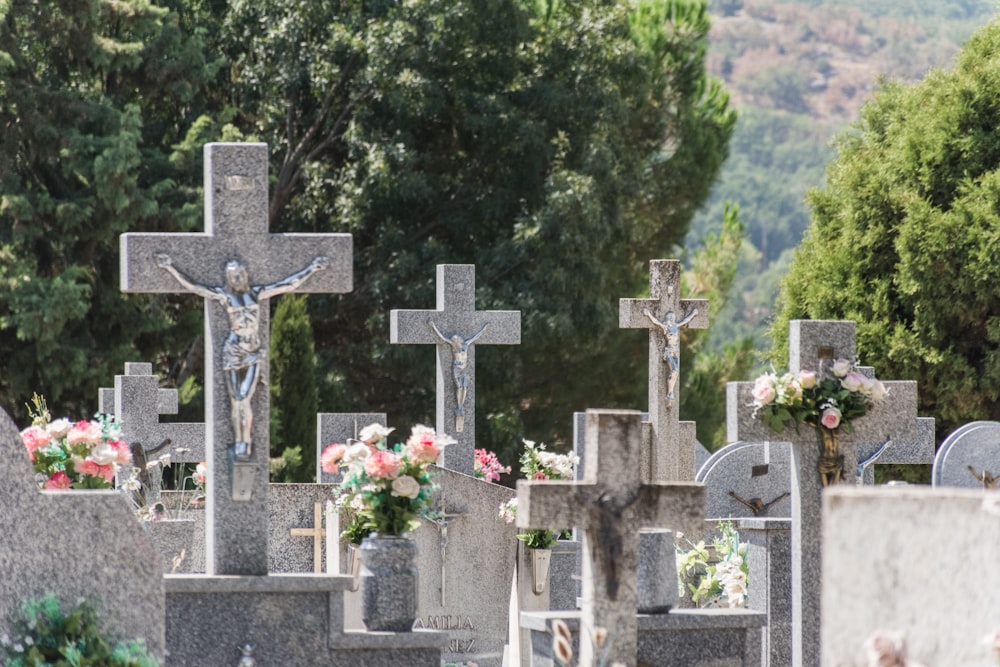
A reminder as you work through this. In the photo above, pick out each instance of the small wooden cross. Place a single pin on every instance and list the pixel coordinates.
(318, 533)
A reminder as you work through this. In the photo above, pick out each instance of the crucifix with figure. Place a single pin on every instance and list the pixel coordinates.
(664, 313)
(456, 328)
(811, 345)
(611, 505)
(235, 265)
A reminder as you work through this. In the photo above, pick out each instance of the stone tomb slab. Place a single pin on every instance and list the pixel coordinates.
(969, 457)
(78, 544)
(748, 479)
(911, 560)
(479, 554)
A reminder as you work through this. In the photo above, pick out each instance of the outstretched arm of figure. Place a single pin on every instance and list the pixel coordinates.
(164, 262)
(476, 337)
(292, 282)
(438, 332)
(648, 313)
(688, 318)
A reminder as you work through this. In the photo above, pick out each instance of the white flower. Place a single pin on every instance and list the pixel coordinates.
(405, 486)
(104, 454)
(359, 451)
(841, 367)
(374, 433)
(59, 428)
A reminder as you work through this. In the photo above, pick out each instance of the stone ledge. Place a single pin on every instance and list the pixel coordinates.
(678, 619)
(274, 583)
(373, 641)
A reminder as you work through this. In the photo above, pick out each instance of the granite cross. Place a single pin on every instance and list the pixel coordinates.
(318, 533)
(456, 327)
(672, 454)
(137, 401)
(611, 505)
(810, 344)
(236, 264)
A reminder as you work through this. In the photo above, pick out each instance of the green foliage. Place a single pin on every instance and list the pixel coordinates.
(904, 234)
(706, 572)
(45, 635)
(294, 394)
(94, 95)
(557, 146)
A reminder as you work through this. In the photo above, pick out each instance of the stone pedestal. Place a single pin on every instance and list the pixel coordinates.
(769, 556)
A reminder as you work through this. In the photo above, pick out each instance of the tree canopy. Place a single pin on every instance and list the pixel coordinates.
(558, 145)
(905, 235)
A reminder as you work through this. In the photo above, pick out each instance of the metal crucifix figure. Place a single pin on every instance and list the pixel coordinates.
(459, 369)
(242, 351)
(442, 520)
(671, 329)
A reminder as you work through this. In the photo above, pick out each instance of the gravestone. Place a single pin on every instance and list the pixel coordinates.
(235, 266)
(912, 560)
(339, 427)
(969, 457)
(295, 534)
(748, 479)
(78, 544)
(456, 328)
(811, 343)
(610, 507)
(166, 399)
(672, 455)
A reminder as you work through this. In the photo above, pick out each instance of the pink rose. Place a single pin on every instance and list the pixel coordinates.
(331, 457)
(59, 480)
(123, 455)
(540, 475)
(853, 382)
(830, 418)
(763, 390)
(422, 445)
(94, 469)
(807, 379)
(84, 432)
(35, 437)
(382, 465)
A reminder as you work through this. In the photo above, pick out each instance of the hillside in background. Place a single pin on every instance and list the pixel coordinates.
(798, 73)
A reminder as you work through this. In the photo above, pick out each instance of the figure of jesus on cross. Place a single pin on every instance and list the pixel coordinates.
(242, 350)
(671, 329)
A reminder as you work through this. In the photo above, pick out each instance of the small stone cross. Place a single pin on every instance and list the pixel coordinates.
(236, 264)
(672, 455)
(611, 505)
(318, 533)
(137, 401)
(456, 327)
(810, 343)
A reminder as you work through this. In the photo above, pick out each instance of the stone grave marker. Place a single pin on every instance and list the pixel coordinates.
(748, 479)
(339, 427)
(456, 328)
(969, 457)
(236, 265)
(298, 526)
(911, 561)
(811, 343)
(76, 544)
(664, 313)
(610, 507)
(166, 399)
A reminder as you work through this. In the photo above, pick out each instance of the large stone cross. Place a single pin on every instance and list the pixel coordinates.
(810, 343)
(611, 505)
(236, 264)
(456, 327)
(664, 313)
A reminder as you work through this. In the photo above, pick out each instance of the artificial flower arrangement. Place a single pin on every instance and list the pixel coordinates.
(143, 490)
(827, 399)
(710, 579)
(389, 487)
(73, 455)
(539, 464)
(488, 467)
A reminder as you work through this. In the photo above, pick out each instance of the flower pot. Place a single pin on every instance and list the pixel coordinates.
(540, 561)
(354, 564)
(388, 583)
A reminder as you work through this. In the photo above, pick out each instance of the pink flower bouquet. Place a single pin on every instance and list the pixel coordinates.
(390, 487)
